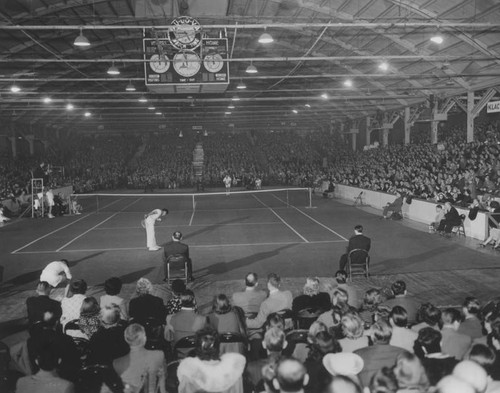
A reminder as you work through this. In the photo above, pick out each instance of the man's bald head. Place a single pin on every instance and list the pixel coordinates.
(291, 376)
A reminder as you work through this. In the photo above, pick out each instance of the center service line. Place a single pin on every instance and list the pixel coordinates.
(312, 219)
(283, 221)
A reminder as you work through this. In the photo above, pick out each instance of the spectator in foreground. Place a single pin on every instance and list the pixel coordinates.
(471, 325)
(353, 329)
(291, 376)
(312, 298)
(380, 354)
(453, 343)
(251, 298)
(428, 316)
(112, 287)
(209, 371)
(72, 304)
(410, 374)
(146, 306)
(38, 305)
(46, 380)
(402, 337)
(428, 349)
(403, 299)
(141, 364)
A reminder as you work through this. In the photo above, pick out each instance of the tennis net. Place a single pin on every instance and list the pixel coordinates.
(256, 199)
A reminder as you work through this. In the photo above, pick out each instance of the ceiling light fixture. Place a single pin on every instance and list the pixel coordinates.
(265, 38)
(87, 114)
(251, 69)
(81, 40)
(130, 87)
(227, 113)
(151, 108)
(324, 96)
(348, 83)
(384, 66)
(15, 88)
(47, 100)
(241, 86)
(70, 107)
(158, 113)
(113, 70)
(295, 111)
(230, 107)
(437, 38)
(143, 99)
(307, 105)
(235, 98)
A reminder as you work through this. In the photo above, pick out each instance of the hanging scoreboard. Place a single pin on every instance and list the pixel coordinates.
(184, 62)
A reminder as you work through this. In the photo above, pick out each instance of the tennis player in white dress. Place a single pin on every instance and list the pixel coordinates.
(149, 224)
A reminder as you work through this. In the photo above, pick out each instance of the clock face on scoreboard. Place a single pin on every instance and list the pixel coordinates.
(213, 62)
(159, 66)
(187, 63)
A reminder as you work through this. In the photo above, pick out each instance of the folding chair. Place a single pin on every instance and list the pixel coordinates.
(358, 262)
(177, 268)
(303, 319)
(459, 230)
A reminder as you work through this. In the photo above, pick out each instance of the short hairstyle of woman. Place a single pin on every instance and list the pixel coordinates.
(89, 306)
(410, 372)
(144, 286)
(311, 286)
(207, 344)
(78, 287)
(429, 314)
(221, 304)
(352, 326)
(187, 299)
(372, 297)
(135, 335)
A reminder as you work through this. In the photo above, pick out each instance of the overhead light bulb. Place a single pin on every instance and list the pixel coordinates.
(87, 114)
(227, 113)
(151, 108)
(158, 113)
(241, 86)
(384, 66)
(307, 105)
(235, 98)
(265, 38)
(437, 39)
(324, 96)
(15, 89)
(47, 100)
(230, 107)
(295, 111)
(81, 40)
(70, 107)
(348, 83)
(113, 70)
(251, 69)
(130, 87)
(143, 99)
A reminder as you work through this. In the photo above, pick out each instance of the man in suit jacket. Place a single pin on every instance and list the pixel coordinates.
(401, 298)
(453, 343)
(186, 321)
(175, 247)
(277, 301)
(451, 219)
(251, 298)
(38, 305)
(471, 326)
(395, 207)
(357, 241)
(381, 354)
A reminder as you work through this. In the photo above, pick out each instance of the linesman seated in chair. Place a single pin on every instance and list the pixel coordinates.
(395, 208)
(358, 241)
(175, 247)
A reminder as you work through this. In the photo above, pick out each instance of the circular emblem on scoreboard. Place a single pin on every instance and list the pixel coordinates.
(185, 33)
(187, 63)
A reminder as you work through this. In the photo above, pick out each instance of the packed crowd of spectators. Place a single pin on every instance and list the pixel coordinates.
(256, 340)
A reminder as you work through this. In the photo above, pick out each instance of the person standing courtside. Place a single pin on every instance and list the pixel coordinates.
(149, 224)
(175, 247)
(227, 182)
(358, 241)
